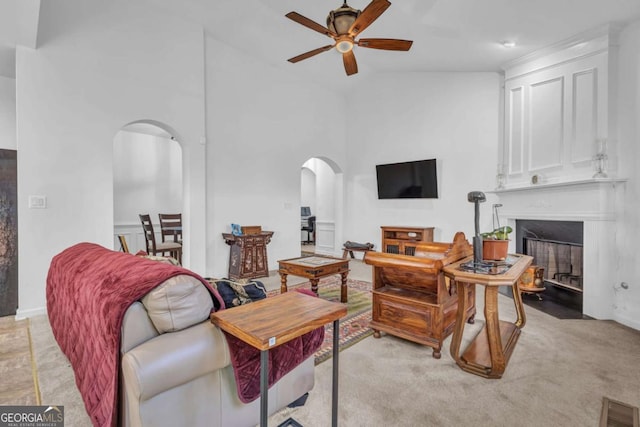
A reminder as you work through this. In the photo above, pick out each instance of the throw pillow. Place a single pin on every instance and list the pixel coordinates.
(179, 302)
(235, 294)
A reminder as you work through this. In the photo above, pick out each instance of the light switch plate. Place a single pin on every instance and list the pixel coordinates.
(37, 202)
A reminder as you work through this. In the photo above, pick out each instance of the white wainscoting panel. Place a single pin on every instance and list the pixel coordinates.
(325, 238)
(134, 235)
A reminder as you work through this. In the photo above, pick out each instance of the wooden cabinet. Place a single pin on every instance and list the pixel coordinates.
(248, 255)
(412, 299)
(403, 240)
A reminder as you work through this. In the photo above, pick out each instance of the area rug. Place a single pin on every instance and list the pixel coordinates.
(354, 327)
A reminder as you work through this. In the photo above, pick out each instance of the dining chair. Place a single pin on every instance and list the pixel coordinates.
(158, 248)
(123, 243)
(171, 225)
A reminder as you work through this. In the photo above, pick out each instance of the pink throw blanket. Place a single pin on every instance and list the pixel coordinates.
(89, 288)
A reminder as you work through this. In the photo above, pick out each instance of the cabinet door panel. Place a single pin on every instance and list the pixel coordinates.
(515, 130)
(585, 121)
(546, 124)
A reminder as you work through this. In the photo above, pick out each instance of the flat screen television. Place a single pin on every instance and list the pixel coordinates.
(408, 180)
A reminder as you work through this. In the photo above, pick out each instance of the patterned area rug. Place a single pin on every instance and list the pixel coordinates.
(354, 327)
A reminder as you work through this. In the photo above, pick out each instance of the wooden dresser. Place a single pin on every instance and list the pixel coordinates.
(248, 255)
(403, 240)
(412, 299)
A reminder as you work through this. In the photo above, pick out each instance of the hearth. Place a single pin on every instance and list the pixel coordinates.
(557, 247)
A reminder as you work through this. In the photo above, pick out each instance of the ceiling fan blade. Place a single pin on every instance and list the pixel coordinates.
(386, 44)
(310, 53)
(350, 64)
(368, 15)
(302, 20)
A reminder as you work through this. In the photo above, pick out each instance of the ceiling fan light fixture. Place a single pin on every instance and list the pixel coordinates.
(340, 20)
(344, 46)
(344, 24)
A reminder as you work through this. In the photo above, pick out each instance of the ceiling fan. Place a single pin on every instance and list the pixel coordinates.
(344, 24)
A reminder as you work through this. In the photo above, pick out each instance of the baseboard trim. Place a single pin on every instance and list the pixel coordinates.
(24, 314)
(633, 324)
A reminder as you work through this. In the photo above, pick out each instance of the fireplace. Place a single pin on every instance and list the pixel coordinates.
(556, 247)
(583, 212)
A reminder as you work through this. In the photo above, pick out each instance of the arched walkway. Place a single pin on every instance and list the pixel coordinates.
(322, 189)
(147, 178)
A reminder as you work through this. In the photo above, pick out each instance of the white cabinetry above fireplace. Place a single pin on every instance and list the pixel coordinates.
(557, 109)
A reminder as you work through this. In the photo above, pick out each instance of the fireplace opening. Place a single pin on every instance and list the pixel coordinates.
(561, 261)
(556, 247)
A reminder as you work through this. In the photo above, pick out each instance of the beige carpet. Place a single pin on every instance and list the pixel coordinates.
(557, 376)
(17, 367)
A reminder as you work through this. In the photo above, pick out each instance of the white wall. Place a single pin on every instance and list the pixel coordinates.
(627, 302)
(452, 117)
(262, 125)
(100, 66)
(7, 113)
(308, 188)
(147, 177)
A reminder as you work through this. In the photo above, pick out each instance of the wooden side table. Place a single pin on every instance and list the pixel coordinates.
(314, 268)
(276, 320)
(248, 254)
(491, 349)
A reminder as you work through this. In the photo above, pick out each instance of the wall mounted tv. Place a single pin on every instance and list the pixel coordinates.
(408, 180)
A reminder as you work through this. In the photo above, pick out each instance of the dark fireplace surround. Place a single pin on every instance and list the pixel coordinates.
(557, 246)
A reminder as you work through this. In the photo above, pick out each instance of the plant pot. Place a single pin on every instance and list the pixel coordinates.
(495, 250)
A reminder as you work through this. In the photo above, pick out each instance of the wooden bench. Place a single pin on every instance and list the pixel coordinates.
(351, 247)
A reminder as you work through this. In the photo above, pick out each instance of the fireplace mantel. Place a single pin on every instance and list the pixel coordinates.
(561, 184)
(591, 201)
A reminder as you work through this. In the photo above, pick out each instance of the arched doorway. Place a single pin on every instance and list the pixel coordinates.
(147, 179)
(321, 189)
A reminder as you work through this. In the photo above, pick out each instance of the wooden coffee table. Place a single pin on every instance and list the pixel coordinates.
(314, 268)
(276, 320)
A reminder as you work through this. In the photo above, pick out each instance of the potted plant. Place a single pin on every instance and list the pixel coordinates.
(495, 244)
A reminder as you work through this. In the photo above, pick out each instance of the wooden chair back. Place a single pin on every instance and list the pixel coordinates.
(123, 244)
(149, 235)
(171, 227)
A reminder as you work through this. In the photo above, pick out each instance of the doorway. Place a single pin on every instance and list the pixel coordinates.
(147, 179)
(321, 190)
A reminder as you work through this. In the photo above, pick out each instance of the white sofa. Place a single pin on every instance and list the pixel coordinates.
(176, 368)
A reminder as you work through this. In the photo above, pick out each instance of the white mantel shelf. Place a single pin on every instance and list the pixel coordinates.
(530, 187)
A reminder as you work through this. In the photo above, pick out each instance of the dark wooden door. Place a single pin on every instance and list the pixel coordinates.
(8, 233)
